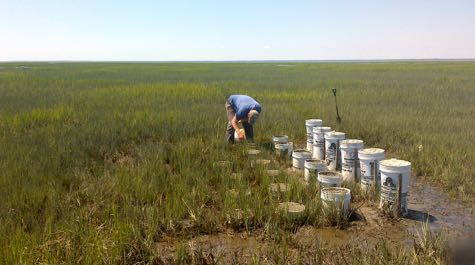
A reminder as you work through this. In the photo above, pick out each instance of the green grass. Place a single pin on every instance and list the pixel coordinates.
(98, 161)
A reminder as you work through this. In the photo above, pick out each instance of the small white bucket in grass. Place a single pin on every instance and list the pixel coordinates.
(310, 124)
(278, 190)
(280, 139)
(312, 167)
(369, 167)
(284, 150)
(253, 153)
(299, 156)
(260, 163)
(272, 172)
(350, 166)
(332, 149)
(318, 151)
(393, 170)
(236, 136)
(329, 179)
(336, 197)
(292, 210)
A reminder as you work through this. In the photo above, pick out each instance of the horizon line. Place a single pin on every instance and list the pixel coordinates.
(238, 61)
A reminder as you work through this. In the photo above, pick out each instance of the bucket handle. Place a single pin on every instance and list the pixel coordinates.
(375, 171)
(399, 194)
(355, 164)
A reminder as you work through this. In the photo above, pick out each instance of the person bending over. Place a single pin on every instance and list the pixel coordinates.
(241, 109)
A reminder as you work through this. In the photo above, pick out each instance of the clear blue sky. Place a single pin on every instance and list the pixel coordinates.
(235, 30)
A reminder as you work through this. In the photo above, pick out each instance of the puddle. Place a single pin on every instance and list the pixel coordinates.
(425, 202)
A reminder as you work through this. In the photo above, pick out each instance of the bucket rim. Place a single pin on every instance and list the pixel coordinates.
(312, 160)
(335, 135)
(351, 143)
(371, 151)
(395, 163)
(313, 121)
(329, 189)
(321, 129)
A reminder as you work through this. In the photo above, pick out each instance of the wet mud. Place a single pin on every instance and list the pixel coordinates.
(426, 203)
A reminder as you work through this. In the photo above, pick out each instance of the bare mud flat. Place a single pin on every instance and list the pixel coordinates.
(426, 204)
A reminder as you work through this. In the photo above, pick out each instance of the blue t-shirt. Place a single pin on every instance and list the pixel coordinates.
(242, 104)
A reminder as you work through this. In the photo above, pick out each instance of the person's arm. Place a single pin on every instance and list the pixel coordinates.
(234, 123)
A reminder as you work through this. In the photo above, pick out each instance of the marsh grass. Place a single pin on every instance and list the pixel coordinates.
(98, 162)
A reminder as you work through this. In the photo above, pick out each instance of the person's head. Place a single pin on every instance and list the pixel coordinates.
(252, 117)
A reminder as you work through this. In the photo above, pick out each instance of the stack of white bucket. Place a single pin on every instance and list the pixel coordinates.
(282, 145)
(366, 166)
(328, 153)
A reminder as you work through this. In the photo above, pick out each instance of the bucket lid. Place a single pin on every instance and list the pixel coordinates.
(279, 187)
(273, 172)
(263, 161)
(280, 137)
(330, 176)
(292, 207)
(336, 191)
(351, 143)
(335, 135)
(321, 129)
(313, 122)
(301, 153)
(395, 164)
(315, 162)
(371, 153)
(253, 152)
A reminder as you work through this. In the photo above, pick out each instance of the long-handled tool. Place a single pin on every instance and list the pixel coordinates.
(338, 118)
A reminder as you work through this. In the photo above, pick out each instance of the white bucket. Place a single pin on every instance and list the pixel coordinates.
(310, 124)
(338, 197)
(369, 166)
(292, 210)
(318, 151)
(284, 150)
(350, 166)
(273, 172)
(312, 167)
(262, 163)
(280, 139)
(299, 156)
(275, 188)
(236, 136)
(329, 179)
(252, 154)
(332, 149)
(391, 171)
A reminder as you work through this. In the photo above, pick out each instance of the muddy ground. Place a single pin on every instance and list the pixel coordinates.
(426, 204)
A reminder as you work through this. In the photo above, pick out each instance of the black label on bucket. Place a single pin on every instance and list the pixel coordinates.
(309, 138)
(330, 155)
(389, 194)
(320, 143)
(348, 164)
